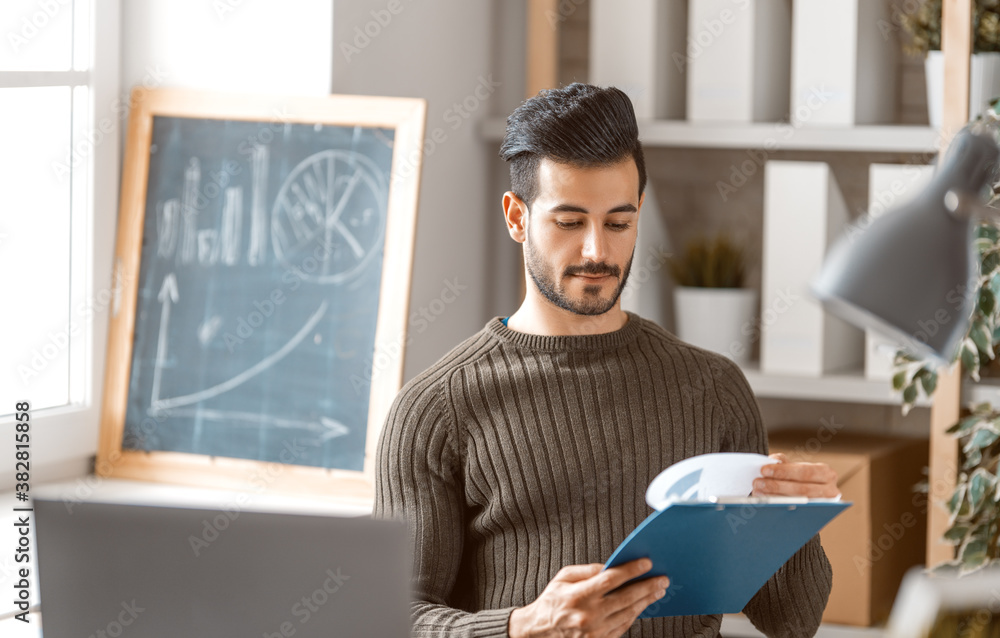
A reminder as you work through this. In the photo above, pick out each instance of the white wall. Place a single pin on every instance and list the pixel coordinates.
(439, 50)
(247, 46)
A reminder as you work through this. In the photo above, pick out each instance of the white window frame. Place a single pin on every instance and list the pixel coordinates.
(64, 439)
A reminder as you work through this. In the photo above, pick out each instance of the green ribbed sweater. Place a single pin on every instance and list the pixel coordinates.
(516, 454)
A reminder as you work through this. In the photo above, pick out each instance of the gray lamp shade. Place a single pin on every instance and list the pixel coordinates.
(912, 273)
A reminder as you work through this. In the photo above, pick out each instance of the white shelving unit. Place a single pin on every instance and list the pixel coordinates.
(985, 390)
(919, 143)
(739, 626)
(848, 386)
(772, 135)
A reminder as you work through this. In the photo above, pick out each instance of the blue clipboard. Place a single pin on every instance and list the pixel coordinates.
(716, 555)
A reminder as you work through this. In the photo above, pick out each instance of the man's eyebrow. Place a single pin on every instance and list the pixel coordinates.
(571, 208)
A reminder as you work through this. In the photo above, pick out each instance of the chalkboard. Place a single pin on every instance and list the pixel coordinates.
(265, 249)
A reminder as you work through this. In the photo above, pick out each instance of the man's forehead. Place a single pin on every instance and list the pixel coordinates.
(554, 176)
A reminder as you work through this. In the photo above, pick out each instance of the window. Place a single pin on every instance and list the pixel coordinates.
(60, 116)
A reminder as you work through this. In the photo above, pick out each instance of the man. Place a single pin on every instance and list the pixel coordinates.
(520, 459)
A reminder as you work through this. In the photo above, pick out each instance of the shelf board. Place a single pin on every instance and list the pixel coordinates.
(985, 390)
(739, 626)
(849, 386)
(771, 136)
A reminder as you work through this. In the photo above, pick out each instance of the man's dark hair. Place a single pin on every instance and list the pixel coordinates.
(580, 124)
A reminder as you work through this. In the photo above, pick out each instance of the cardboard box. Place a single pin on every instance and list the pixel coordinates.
(874, 542)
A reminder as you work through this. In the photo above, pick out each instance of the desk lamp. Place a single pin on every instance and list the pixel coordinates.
(912, 273)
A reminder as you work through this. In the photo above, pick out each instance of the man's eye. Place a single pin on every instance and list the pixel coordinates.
(567, 224)
(624, 226)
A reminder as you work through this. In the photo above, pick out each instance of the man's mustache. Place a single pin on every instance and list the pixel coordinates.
(594, 269)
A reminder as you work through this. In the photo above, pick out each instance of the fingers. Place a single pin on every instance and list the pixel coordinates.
(779, 457)
(611, 578)
(777, 487)
(575, 573)
(802, 472)
(641, 598)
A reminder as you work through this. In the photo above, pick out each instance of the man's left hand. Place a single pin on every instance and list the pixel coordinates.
(813, 480)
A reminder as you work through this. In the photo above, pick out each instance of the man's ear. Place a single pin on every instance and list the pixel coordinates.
(515, 212)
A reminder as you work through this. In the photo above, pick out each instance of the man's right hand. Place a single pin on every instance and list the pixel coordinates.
(574, 605)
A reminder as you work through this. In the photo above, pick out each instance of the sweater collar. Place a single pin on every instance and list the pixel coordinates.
(614, 339)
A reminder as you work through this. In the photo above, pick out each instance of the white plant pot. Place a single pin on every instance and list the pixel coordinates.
(984, 84)
(717, 319)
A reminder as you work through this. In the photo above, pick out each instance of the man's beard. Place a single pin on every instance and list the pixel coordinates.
(592, 303)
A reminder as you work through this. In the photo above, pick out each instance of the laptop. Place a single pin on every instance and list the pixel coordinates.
(163, 572)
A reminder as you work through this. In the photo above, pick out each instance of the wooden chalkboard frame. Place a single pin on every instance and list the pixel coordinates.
(407, 117)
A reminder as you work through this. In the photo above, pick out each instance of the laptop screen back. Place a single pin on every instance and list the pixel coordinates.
(166, 572)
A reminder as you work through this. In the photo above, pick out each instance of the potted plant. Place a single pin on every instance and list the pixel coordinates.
(975, 504)
(923, 26)
(712, 308)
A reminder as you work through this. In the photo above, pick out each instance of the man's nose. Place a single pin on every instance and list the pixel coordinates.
(595, 244)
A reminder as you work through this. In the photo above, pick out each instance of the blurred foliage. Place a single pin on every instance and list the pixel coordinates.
(974, 506)
(923, 26)
(710, 262)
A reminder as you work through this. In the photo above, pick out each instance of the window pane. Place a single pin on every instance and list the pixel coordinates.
(34, 246)
(37, 35)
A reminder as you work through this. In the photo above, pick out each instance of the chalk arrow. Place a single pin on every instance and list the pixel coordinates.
(332, 428)
(168, 294)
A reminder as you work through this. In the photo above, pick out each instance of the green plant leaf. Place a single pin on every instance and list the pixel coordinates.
(981, 438)
(929, 382)
(991, 261)
(980, 335)
(956, 534)
(910, 394)
(974, 555)
(955, 502)
(988, 232)
(995, 285)
(987, 301)
(972, 458)
(970, 358)
(981, 483)
(899, 380)
(965, 424)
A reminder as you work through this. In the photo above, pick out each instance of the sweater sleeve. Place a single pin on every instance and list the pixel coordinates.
(791, 603)
(418, 480)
